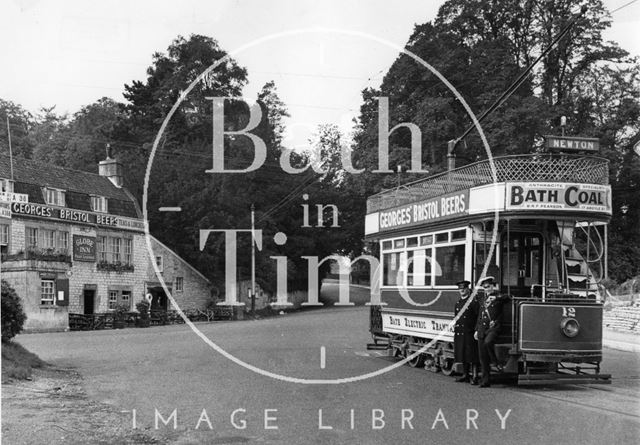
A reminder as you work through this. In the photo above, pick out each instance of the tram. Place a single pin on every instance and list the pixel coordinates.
(537, 223)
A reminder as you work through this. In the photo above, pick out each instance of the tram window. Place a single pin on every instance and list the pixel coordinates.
(418, 268)
(442, 237)
(412, 242)
(449, 264)
(427, 267)
(391, 266)
(398, 244)
(532, 241)
(458, 235)
(387, 245)
(426, 240)
(410, 264)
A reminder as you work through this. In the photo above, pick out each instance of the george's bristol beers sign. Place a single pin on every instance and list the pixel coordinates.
(558, 196)
(436, 209)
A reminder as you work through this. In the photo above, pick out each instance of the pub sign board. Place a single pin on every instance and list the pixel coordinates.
(84, 248)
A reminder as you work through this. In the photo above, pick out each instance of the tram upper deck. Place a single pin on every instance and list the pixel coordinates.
(534, 185)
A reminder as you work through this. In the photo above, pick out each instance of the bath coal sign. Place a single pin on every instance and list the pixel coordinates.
(558, 196)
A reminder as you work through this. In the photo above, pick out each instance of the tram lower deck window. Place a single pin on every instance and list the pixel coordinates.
(391, 267)
(450, 264)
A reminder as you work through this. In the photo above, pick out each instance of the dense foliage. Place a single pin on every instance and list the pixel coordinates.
(13, 316)
(480, 46)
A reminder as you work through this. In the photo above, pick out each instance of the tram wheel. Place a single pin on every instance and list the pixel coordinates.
(430, 364)
(447, 366)
(416, 362)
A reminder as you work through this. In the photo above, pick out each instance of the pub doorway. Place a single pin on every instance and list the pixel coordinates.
(89, 296)
(159, 299)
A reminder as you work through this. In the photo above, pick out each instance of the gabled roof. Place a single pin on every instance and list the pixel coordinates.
(179, 258)
(29, 176)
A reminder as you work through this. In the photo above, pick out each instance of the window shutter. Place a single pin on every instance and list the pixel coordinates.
(62, 292)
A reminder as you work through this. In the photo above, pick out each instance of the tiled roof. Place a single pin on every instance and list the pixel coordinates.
(29, 176)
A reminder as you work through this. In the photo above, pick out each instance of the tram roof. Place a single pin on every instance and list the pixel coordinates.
(539, 167)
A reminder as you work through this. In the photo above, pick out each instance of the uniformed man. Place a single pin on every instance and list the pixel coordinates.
(488, 327)
(465, 346)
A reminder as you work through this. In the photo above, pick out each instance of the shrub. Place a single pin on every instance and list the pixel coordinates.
(121, 311)
(13, 316)
(143, 307)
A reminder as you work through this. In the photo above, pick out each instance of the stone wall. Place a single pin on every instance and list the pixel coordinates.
(196, 292)
(24, 277)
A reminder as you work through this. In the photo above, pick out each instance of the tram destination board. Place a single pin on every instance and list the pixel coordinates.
(571, 143)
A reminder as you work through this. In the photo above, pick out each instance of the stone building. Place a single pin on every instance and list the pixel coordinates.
(73, 242)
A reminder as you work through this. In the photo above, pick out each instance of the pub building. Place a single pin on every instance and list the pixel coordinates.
(73, 242)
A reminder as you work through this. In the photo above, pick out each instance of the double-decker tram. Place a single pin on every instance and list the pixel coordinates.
(536, 223)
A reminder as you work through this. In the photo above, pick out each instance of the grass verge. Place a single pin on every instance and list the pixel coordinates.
(17, 362)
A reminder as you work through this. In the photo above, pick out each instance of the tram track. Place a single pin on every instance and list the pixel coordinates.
(616, 395)
(615, 398)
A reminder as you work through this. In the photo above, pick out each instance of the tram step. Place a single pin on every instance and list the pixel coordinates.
(544, 379)
(374, 346)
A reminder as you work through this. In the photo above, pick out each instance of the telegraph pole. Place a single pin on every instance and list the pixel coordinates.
(253, 260)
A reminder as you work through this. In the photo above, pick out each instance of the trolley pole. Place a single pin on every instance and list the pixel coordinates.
(253, 260)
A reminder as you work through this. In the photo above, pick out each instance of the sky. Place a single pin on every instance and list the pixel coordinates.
(321, 54)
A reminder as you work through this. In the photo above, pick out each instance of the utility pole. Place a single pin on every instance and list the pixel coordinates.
(10, 150)
(253, 260)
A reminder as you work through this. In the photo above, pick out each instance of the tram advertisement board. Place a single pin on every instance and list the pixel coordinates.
(415, 325)
(435, 209)
(558, 196)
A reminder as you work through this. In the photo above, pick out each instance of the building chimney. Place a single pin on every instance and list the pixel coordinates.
(111, 168)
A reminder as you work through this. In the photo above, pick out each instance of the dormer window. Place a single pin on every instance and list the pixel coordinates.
(54, 197)
(6, 185)
(99, 204)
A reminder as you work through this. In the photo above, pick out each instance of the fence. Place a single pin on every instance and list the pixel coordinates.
(88, 322)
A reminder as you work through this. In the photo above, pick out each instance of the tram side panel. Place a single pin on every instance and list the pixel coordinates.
(427, 314)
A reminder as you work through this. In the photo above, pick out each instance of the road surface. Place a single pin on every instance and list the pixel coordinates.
(159, 370)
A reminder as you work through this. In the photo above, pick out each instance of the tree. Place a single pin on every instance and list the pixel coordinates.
(13, 316)
(20, 123)
(481, 46)
(49, 137)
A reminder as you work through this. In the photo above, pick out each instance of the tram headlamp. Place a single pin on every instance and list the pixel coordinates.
(570, 327)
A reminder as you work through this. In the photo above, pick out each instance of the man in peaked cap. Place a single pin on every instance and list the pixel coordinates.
(488, 327)
(465, 346)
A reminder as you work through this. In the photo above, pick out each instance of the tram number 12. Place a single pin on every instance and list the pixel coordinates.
(568, 311)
